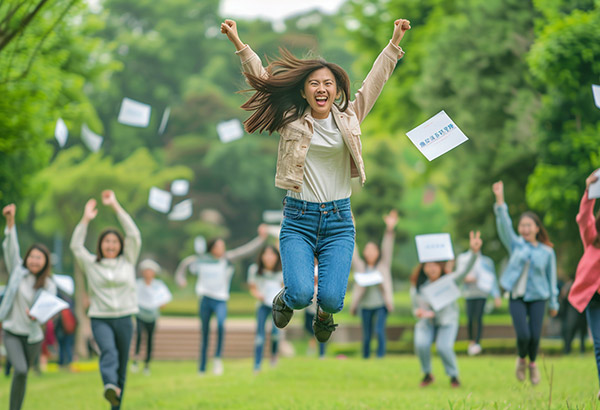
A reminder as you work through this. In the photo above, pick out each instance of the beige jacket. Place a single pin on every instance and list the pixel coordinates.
(295, 137)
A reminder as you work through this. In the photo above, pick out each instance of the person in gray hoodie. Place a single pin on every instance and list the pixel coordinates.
(112, 291)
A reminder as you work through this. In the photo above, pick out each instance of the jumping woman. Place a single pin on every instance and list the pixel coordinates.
(308, 103)
(23, 335)
(112, 291)
(530, 277)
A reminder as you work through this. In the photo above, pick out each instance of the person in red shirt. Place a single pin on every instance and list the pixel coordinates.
(584, 294)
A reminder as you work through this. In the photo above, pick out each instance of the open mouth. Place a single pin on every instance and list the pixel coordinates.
(321, 101)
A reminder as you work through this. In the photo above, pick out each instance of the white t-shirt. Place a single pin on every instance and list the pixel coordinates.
(327, 166)
(214, 278)
(151, 298)
(268, 284)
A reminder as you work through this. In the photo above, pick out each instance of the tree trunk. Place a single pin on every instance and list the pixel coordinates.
(84, 329)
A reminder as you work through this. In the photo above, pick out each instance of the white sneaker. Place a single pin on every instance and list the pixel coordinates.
(146, 371)
(475, 349)
(134, 367)
(218, 367)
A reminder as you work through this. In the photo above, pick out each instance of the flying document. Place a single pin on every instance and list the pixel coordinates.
(230, 130)
(181, 211)
(594, 190)
(596, 92)
(164, 120)
(160, 200)
(61, 133)
(64, 283)
(134, 113)
(47, 305)
(368, 279)
(200, 245)
(436, 247)
(437, 136)
(91, 140)
(180, 187)
(441, 293)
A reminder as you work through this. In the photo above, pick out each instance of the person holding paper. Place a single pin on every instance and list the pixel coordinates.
(215, 270)
(111, 285)
(440, 325)
(264, 281)
(479, 283)
(530, 277)
(375, 301)
(22, 333)
(152, 294)
(308, 103)
(585, 292)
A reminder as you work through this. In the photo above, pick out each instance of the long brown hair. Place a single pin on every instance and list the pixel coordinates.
(277, 100)
(542, 235)
(260, 263)
(44, 273)
(105, 232)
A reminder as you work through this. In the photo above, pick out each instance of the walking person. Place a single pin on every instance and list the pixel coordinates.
(264, 281)
(375, 301)
(215, 271)
(152, 294)
(480, 283)
(440, 326)
(585, 292)
(111, 285)
(308, 103)
(530, 277)
(22, 334)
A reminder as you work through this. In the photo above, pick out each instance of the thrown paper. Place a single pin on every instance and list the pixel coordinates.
(134, 113)
(61, 132)
(160, 200)
(436, 136)
(368, 279)
(64, 283)
(181, 211)
(200, 245)
(46, 306)
(164, 120)
(230, 130)
(594, 190)
(596, 92)
(180, 187)
(435, 247)
(91, 140)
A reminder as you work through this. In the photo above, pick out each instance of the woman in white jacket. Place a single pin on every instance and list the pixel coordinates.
(112, 291)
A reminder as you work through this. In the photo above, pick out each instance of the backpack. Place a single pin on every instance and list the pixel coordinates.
(68, 321)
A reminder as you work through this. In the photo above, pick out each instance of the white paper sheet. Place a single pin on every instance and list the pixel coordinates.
(200, 245)
(134, 113)
(91, 140)
(160, 200)
(46, 306)
(164, 121)
(368, 279)
(64, 283)
(61, 132)
(596, 92)
(180, 187)
(436, 136)
(441, 293)
(230, 130)
(273, 216)
(435, 247)
(594, 191)
(181, 211)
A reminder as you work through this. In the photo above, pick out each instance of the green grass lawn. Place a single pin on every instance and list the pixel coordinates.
(309, 383)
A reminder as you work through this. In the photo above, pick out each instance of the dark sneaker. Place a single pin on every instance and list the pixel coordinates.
(454, 382)
(323, 327)
(427, 380)
(110, 394)
(281, 313)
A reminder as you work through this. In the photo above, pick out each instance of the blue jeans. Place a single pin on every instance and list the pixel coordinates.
(113, 337)
(65, 348)
(208, 306)
(367, 328)
(475, 308)
(261, 317)
(528, 318)
(593, 318)
(326, 231)
(445, 336)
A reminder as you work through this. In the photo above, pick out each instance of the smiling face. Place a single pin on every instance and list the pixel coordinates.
(433, 270)
(110, 246)
(269, 259)
(320, 92)
(528, 229)
(36, 261)
(218, 249)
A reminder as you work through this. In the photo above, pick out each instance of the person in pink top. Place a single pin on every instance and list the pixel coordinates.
(584, 294)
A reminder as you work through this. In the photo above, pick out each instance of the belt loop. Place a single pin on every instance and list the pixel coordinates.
(335, 207)
(304, 203)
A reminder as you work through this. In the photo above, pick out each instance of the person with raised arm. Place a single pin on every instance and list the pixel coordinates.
(22, 333)
(111, 279)
(307, 102)
(530, 277)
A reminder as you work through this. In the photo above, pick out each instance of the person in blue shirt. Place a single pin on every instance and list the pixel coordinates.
(530, 277)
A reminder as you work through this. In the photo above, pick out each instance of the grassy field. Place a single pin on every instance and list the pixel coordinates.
(332, 383)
